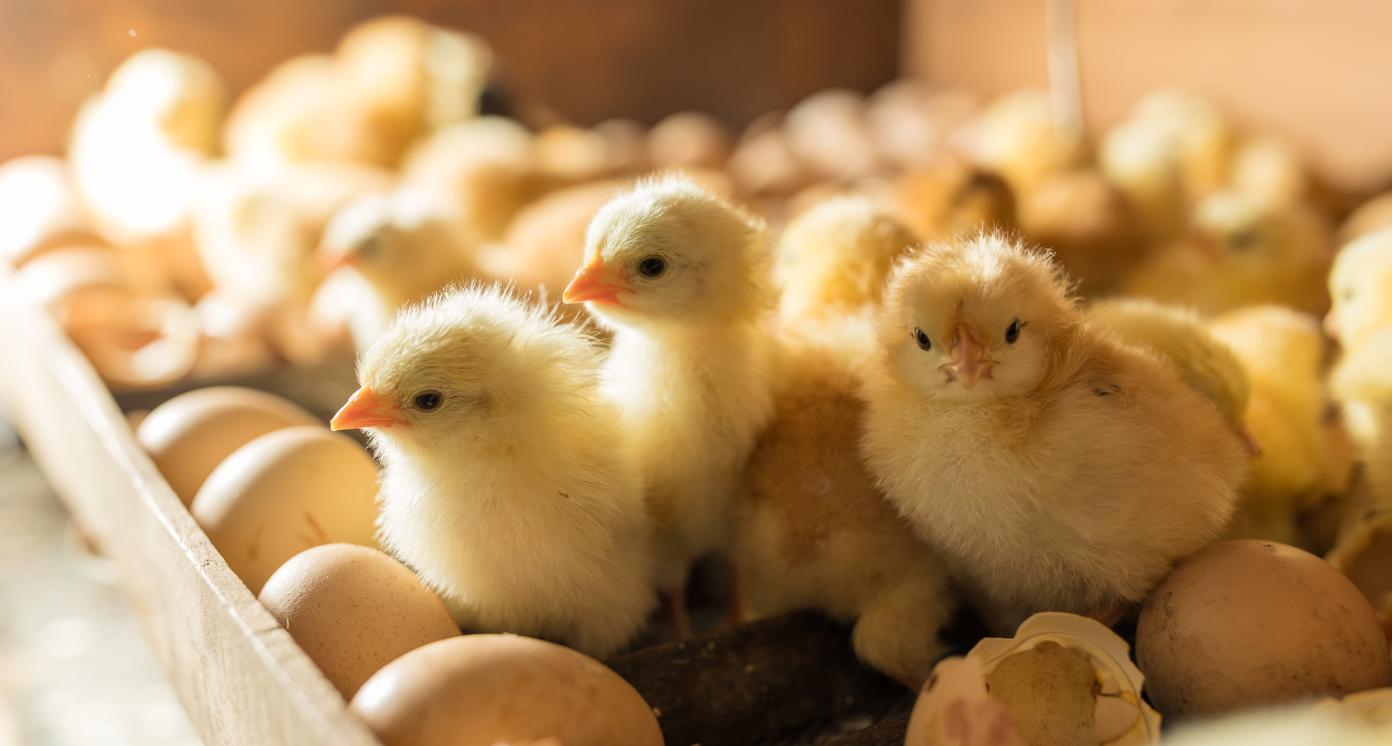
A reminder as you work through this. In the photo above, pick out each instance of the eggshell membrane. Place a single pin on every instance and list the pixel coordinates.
(480, 690)
(353, 610)
(152, 343)
(1249, 623)
(189, 435)
(284, 492)
(953, 708)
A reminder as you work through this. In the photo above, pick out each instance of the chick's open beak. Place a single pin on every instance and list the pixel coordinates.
(366, 408)
(967, 361)
(596, 283)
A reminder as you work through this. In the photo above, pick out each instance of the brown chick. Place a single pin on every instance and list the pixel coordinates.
(1053, 468)
(814, 532)
(1095, 232)
(1305, 455)
(1242, 251)
(951, 199)
(833, 259)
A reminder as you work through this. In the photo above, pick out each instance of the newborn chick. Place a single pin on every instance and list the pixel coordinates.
(833, 259)
(1055, 468)
(815, 532)
(680, 276)
(1360, 286)
(405, 245)
(1242, 251)
(500, 484)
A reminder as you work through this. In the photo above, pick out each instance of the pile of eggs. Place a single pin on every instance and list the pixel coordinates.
(174, 242)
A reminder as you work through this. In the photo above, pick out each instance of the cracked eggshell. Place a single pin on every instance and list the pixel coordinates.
(481, 690)
(1249, 623)
(39, 209)
(284, 492)
(953, 709)
(189, 435)
(353, 610)
(1119, 716)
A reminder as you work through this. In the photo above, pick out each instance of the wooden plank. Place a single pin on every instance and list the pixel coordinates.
(1310, 72)
(241, 677)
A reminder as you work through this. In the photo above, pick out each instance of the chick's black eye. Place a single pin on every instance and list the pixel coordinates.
(1243, 240)
(1012, 332)
(652, 266)
(368, 247)
(924, 343)
(427, 401)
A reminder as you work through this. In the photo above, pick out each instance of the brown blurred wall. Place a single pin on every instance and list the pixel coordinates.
(589, 59)
(1312, 71)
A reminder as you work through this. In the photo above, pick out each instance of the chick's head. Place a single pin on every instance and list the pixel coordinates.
(1360, 285)
(984, 318)
(404, 244)
(668, 252)
(467, 369)
(1262, 252)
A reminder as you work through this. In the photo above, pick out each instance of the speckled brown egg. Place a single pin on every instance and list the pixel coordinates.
(353, 610)
(189, 435)
(480, 690)
(285, 492)
(1251, 623)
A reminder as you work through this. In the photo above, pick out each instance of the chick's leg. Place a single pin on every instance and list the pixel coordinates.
(675, 600)
(897, 633)
(739, 610)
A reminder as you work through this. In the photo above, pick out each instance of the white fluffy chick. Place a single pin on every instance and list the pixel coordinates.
(500, 483)
(405, 245)
(681, 277)
(1054, 468)
(1360, 288)
(814, 531)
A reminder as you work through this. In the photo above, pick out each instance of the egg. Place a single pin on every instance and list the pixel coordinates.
(284, 492)
(353, 610)
(189, 435)
(480, 690)
(1249, 623)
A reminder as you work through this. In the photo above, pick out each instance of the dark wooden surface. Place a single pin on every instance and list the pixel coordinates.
(588, 59)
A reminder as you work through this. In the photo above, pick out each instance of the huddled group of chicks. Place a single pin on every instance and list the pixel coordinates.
(888, 356)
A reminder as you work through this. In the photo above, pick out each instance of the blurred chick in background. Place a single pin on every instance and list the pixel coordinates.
(1091, 226)
(405, 246)
(813, 531)
(833, 259)
(1242, 251)
(1371, 216)
(1016, 136)
(952, 199)
(680, 277)
(1181, 337)
(1360, 289)
(501, 484)
(1305, 456)
(1054, 468)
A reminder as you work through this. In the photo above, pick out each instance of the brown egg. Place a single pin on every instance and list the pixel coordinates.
(189, 435)
(1250, 623)
(284, 492)
(354, 610)
(689, 138)
(480, 690)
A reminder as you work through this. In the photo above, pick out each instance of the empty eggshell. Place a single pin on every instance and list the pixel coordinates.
(189, 435)
(39, 209)
(481, 690)
(353, 610)
(284, 492)
(1248, 623)
(954, 710)
(151, 343)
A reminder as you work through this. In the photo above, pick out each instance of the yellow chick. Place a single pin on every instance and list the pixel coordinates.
(829, 133)
(1304, 456)
(1142, 160)
(1017, 137)
(833, 259)
(1201, 140)
(1053, 467)
(1272, 170)
(912, 121)
(501, 485)
(680, 277)
(1242, 251)
(1360, 288)
(1362, 381)
(688, 139)
(1091, 226)
(813, 531)
(951, 199)
(1373, 215)
(405, 245)
(1180, 336)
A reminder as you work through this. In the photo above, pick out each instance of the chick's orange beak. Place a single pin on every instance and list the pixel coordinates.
(967, 361)
(366, 408)
(331, 261)
(594, 283)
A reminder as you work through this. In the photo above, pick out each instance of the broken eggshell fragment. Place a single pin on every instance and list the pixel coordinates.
(1053, 650)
